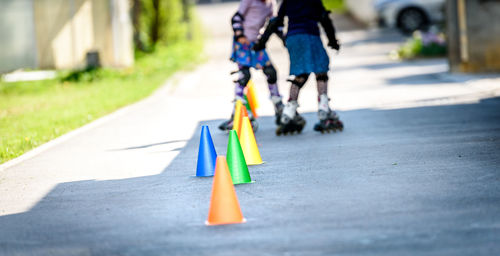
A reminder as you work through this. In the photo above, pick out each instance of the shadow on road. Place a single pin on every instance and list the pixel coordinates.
(404, 64)
(150, 145)
(378, 36)
(432, 78)
(419, 179)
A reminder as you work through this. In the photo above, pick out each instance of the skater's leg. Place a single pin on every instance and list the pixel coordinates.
(272, 78)
(328, 119)
(323, 105)
(290, 120)
(275, 96)
(241, 83)
(322, 83)
(296, 85)
(290, 108)
(239, 86)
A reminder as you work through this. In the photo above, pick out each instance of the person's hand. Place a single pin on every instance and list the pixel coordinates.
(259, 46)
(243, 40)
(334, 44)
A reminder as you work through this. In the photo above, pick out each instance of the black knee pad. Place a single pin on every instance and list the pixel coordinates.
(322, 77)
(300, 80)
(270, 72)
(244, 74)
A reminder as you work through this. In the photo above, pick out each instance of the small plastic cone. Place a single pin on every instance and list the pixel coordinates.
(252, 95)
(236, 160)
(206, 154)
(224, 206)
(244, 113)
(249, 107)
(237, 116)
(248, 144)
(252, 99)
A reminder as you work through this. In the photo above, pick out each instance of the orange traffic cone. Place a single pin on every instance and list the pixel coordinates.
(252, 98)
(244, 113)
(248, 144)
(237, 116)
(224, 206)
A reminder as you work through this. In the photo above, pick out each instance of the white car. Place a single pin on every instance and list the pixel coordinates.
(409, 15)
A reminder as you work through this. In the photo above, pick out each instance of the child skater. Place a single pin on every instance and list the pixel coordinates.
(307, 55)
(247, 22)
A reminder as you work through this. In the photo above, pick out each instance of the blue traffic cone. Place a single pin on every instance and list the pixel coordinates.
(206, 154)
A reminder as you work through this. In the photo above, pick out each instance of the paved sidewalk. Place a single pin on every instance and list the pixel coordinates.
(415, 172)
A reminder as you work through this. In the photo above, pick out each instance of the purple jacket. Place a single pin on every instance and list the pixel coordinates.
(255, 14)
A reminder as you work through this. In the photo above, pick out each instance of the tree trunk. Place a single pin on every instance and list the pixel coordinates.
(136, 22)
(185, 10)
(155, 27)
(186, 18)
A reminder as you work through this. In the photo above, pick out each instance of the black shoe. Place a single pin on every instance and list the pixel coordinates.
(226, 125)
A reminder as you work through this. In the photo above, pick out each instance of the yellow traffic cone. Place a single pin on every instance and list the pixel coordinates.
(252, 96)
(244, 113)
(248, 143)
(251, 99)
(237, 116)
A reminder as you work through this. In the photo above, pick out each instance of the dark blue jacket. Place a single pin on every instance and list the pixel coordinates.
(303, 16)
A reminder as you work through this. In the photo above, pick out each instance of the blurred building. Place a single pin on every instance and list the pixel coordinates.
(58, 34)
(362, 10)
(473, 28)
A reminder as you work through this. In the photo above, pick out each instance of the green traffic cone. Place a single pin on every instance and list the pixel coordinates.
(247, 104)
(236, 160)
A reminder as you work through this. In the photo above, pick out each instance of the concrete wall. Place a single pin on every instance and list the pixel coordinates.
(64, 32)
(362, 10)
(17, 35)
(103, 33)
(478, 50)
(123, 54)
(57, 34)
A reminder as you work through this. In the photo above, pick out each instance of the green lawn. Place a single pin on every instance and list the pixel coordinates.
(32, 113)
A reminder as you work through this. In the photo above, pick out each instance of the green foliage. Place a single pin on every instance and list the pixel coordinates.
(410, 49)
(171, 26)
(85, 75)
(422, 44)
(433, 50)
(32, 113)
(335, 5)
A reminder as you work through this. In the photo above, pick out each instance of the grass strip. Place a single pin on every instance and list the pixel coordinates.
(32, 113)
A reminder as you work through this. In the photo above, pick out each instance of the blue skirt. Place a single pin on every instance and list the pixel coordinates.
(307, 54)
(243, 55)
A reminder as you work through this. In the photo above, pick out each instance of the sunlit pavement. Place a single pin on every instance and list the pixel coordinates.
(415, 172)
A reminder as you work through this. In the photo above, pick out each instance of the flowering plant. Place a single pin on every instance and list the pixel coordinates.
(431, 43)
